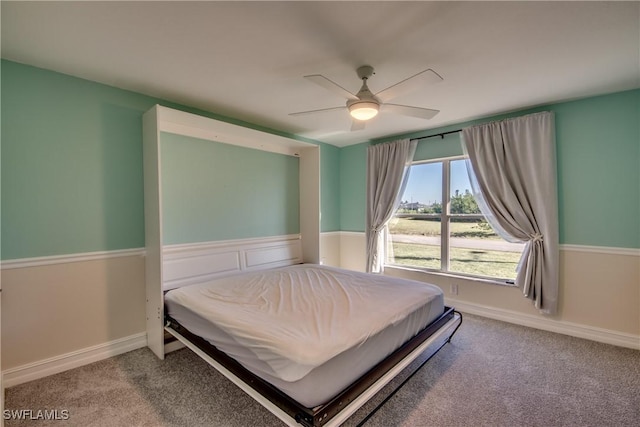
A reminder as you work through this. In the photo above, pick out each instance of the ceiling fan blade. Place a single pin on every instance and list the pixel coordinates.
(331, 86)
(406, 110)
(422, 78)
(322, 110)
(358, 125)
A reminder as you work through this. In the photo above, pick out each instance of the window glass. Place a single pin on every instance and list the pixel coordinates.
(425, 234)
(416, 229)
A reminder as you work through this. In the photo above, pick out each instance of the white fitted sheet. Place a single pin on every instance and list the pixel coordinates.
(309, 330)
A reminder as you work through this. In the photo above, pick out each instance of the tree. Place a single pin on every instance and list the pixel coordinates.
(464, 203)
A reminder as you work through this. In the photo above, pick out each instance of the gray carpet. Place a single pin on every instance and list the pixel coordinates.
(491, 374)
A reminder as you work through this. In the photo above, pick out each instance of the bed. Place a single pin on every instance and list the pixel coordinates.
(324, 381)
(314, 342)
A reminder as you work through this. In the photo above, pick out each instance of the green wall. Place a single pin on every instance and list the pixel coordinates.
(71, 165)
(599, 170)
(213, 191)
(598, 143)
(330, 177)
(353, 170)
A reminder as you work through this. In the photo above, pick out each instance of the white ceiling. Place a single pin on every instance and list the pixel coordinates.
(247, 60)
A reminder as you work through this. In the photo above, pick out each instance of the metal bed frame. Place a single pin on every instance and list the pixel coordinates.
(347, 402)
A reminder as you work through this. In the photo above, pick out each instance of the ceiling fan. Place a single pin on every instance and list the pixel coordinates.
(365, 105)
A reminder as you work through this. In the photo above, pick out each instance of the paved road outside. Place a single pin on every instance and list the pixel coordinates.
(459, 242)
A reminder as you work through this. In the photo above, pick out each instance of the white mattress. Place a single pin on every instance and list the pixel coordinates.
(309, 330)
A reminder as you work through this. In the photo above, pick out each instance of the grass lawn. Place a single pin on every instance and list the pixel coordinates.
(480, 262)
(470, 230)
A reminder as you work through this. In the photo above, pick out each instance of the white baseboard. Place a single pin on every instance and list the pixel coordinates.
(562, 327)
(85, 356)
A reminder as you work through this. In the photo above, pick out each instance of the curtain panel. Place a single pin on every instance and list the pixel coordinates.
(512, 169)
(387, 174)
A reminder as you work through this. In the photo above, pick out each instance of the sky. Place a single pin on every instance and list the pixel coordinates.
(425, 182)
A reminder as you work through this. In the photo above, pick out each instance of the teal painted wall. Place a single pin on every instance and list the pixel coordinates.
(353, 170)
(439, 148)
(213, 191)
(599, 170)
(330, 175)
(598, 148)
(71, 165)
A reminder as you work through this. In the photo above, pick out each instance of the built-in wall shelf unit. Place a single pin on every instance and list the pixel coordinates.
(220, 199)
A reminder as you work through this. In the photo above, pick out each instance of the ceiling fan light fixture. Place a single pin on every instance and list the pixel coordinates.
(364, 110)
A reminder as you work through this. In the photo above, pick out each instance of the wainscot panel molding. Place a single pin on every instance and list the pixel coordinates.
(353, 250)
(64, 362)
(65, 259)
(601, 250)
(330, 248)
(186, 264)
(581, 292)
(89, 256)
(42, 368)
(42, 303)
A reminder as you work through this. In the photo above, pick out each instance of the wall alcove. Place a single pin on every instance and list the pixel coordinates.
(188, 186)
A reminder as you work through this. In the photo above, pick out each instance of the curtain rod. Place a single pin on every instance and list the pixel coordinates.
(441, 135)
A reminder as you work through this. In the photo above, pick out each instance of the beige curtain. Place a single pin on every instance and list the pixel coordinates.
(512, 167)
(387, 174)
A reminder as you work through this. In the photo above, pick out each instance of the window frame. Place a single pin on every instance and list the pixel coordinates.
(445, 217)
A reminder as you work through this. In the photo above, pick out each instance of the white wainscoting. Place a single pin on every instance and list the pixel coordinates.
(187, 264)
(277, 251)
(64, 362)
(610, 260)
(69, 258)
(592, 333)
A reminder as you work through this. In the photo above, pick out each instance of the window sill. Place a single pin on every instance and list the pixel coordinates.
(450, 275)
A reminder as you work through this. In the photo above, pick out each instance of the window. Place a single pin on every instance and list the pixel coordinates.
(438, 226)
